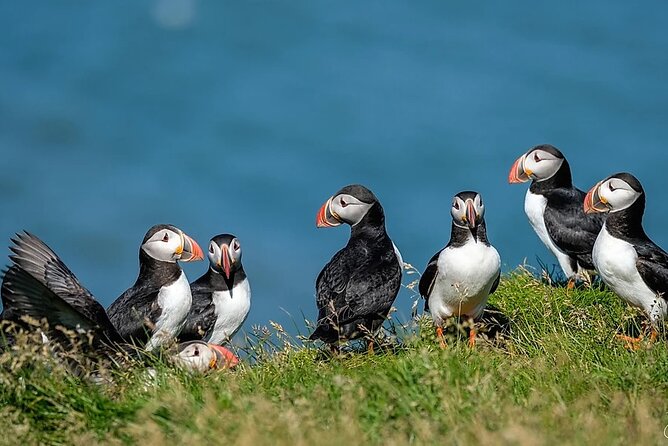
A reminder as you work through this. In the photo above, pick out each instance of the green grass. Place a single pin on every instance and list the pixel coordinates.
(559, 377)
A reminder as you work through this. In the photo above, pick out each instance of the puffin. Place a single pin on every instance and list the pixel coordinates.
(356, 288)
(460, 277)
(626, 259)
(153, 311)
(554, 208)
(221, 298)
(39, 285)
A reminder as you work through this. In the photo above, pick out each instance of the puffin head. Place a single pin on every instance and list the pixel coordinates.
(538, 164)
(467, 210)
(167, 243)
(614, 194)
(199, 356)
(225, 254)
(349, 205)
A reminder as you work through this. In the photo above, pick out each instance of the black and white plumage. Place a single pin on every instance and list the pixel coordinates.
(461, 276)
(631, 264)
(554, 208)
(154, 310)
(221, 298)
(356, 289)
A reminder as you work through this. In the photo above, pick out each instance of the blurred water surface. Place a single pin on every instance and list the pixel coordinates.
(244, 117)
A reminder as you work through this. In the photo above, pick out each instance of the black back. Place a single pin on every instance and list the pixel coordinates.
(570, 228)
(356, 289)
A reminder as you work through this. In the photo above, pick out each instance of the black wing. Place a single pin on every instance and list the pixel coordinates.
(652, 265)
(353, 286)
(573, 231)
(428, 279)
(24, 295)
(202, 315)
(371, 291)
(35, 258)
(330, 287)
(135, 312)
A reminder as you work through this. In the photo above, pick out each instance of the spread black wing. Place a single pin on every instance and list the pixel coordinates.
(428, 279)
(652, 264)
(202, 315)
(571, 230)
(135, 312)
(35, 258)
(24, 295)
(43, 264)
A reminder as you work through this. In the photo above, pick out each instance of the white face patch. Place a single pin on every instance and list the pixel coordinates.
(349, 209)
(196, 357)
(541, 165)
(459, 210)
(165, 245)
(214, 253)
(618, 194)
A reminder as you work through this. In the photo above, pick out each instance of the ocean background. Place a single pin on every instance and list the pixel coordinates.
(244, 117)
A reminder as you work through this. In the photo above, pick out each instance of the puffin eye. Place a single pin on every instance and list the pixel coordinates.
(343, 203)
(235, 245)
(536, 158)
(211, 248)
(165, 238)
(456, 205)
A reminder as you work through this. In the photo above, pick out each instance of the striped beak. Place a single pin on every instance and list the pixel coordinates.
(518, 174)
(190, 250)
(594, 202)
(326, 218)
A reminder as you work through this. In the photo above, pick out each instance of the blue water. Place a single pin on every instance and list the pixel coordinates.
(244, 117)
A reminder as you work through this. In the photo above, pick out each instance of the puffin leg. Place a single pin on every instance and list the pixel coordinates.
(571, 283)
(630, 342)
(441, 339)
(634, 343)
(472, 334)
(369, 347)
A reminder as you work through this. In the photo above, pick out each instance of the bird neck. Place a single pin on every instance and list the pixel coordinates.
(562, 178)
(459, 236)
(372, 224)
(627, 223)
(152, 269)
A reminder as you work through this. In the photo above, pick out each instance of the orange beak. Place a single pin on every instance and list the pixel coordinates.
(226, 359)
(190, 250)
(594, 202)
(470, 214)
(225, 258)
(517, 173)
(326, 218)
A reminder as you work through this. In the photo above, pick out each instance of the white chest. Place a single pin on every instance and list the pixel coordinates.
(231, 311)
(465, 277)
(534, 207)
(615, 261)
(174, 301)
